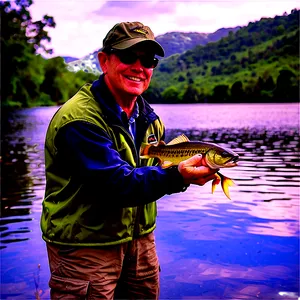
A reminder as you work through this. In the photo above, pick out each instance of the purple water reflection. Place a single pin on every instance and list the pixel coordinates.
(209, 247)
(225, 250)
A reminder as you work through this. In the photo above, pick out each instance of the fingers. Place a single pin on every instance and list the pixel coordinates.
(202, 171)
(194, 161)
(204, 179)
(195, 171)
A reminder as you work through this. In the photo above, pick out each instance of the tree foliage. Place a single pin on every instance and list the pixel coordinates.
(253, 63)
(30, 79)
(258, 63)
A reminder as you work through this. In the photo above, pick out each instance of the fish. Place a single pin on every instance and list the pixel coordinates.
(181, 148)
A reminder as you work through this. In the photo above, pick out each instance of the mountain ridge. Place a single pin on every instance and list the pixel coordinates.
(174, 42)
(255, 63)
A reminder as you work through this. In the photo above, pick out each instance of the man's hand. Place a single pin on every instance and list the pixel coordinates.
(195, 171)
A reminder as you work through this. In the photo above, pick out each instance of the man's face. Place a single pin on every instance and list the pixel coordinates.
(125, 71)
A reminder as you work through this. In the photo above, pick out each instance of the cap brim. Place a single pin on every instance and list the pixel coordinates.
(158, 49)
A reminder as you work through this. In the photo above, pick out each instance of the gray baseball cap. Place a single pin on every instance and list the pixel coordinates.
(126, 34)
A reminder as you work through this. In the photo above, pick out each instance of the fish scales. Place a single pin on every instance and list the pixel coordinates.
(185, 149)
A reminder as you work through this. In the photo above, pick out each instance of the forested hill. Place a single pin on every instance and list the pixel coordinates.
(172, 42)
(257, 63)
(178, 42)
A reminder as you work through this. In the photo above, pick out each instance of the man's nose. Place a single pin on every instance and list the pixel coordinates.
(137, 64)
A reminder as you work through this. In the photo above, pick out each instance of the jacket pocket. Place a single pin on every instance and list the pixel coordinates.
(76, 287)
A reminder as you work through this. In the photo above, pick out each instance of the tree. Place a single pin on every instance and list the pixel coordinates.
(17, 25)
(152, 94)
(257, 89)
(171, 95)
(21, 40)
(220, 93)
(237, 92)
(54, 83)
(285, 89)
(191, 94)
(269, 84)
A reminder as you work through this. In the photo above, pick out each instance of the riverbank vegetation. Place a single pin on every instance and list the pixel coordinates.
(258, 63)
(28, 79)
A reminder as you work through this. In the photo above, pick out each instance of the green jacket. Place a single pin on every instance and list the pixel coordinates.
(98, 191)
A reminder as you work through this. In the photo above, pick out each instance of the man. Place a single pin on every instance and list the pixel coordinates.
(99, 209)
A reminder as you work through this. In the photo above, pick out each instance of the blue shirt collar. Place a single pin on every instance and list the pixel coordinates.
(134, 115)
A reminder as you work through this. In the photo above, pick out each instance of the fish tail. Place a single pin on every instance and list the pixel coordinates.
(226, 182)
(215, 182)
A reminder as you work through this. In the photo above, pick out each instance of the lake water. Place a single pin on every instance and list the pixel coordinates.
(209, 247)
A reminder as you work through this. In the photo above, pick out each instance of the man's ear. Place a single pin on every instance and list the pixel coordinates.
(102, 57)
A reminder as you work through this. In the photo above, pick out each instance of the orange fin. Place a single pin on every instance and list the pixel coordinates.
(226, 182)
(180, 139)
(144, 150)
(166, 164)
(215, 182)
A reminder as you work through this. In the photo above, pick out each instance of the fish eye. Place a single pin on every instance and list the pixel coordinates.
(224, 153)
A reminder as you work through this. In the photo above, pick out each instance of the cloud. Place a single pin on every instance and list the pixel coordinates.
(133, 10)
(82, 25)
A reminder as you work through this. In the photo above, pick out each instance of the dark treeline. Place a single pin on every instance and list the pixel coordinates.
(258, 63)
(27, 78)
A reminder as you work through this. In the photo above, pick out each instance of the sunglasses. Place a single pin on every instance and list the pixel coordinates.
(129, 57)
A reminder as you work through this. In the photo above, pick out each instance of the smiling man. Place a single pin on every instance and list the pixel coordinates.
(99, 210)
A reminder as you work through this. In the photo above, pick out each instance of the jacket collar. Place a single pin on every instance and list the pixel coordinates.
(111, 109)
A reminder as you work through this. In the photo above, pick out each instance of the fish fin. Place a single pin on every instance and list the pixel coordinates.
(145, 147)
(166, 164)
(215, 182)
(144, 150)
(226, 182)
(180, 139)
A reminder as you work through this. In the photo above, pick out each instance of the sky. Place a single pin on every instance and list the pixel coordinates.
(81, 25)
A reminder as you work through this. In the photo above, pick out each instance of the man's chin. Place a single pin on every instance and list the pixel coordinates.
(135, 92)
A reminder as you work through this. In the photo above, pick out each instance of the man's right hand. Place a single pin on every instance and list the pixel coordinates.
(195, 171)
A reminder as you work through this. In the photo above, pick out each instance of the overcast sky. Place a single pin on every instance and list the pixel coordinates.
(82, 25)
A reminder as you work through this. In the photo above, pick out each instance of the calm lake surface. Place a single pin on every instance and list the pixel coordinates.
(209, 247)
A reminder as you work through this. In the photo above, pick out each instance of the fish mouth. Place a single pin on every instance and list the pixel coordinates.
(232, 162)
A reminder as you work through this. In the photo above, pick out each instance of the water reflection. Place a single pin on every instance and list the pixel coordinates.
(272, 176)
(247, 248)
(211, 251)
(209, 247)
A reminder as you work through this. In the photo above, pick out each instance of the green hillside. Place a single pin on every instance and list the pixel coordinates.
(173, 43)
(258, 63)
(178, 42)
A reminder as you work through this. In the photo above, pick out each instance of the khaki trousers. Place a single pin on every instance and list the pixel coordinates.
(126, 271)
